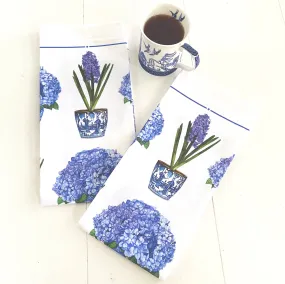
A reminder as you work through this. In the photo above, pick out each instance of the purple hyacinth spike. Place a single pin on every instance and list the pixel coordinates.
(218, 170)
(91, 66)
(200, 129)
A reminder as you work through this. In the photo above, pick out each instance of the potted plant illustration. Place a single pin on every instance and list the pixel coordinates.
(166, 180)
(92, 122)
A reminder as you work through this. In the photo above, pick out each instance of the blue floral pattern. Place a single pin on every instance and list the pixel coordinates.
(152, 128)
(85, 174)
(91, 124)
(137, 231)
(49, 91)
(91, 66)
(200, 129)
(126, 89)
(218, 170)
(165, 182)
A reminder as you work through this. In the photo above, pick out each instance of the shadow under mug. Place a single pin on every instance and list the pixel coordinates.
(162, 60)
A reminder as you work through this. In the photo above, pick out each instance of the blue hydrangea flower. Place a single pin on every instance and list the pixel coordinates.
(153, 126)
(218, 170)
(91, 66)
(125, 88)
(200, 129)
(86, 173)
(41, 112)
(139, 231)
(49, 88)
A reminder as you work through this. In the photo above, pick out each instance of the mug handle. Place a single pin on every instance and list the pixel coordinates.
(194, 55)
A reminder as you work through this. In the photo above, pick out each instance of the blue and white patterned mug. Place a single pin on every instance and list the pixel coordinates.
(161, 60)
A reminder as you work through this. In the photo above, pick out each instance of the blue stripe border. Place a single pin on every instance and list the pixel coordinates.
(85, 46)
(210, 109)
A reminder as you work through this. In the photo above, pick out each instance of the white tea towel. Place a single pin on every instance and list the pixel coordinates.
(154, 199)
(86, 125)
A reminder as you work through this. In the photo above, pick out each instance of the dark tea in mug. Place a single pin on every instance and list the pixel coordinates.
(164, 29)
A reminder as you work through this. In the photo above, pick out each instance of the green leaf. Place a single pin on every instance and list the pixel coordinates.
(156, 274)
(60, 201)
(209, 181)
(202, 145)
(82, 199)
(126, 101)
(98, 90)
(79, 88)
(146, 144)
(198, 154)
(140, 141)
(92, 233)
(103, 87)
(86, 82)
(133, 259)
(55, 106)
(42, 161)
(100, 80)
(47, 107)
(112, 245)
(175, 146)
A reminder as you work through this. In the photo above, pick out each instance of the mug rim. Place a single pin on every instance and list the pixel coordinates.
(164, 45)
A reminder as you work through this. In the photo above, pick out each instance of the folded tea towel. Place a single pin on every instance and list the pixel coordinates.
(86, 110)
(153, 200)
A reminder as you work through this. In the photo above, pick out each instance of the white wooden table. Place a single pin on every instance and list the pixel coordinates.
(241, 237)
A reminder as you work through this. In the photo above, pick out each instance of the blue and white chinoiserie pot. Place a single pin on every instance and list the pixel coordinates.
(164, 181)
(162, 60)
(91, 124)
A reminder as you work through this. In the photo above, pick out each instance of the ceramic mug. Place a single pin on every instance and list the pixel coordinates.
(161, 60)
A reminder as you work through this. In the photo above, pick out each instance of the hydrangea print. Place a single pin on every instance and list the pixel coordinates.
(200, 129)
(41, 112)
(152, 128)
(139, 232)
(49, 91)
(85, 174)
(91, 66)
(49, 88)
(218, 170)
(126, 89)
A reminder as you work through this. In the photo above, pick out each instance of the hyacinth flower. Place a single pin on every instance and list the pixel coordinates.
(126, 89)
(218, 170)
(92, 122)
(166, 180)
(138, 232)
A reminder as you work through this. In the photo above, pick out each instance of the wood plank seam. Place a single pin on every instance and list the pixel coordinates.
(221, 257)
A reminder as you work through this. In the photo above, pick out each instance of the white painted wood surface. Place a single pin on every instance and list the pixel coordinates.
(241, 237)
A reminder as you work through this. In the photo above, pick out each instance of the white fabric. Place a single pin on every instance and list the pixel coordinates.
(62, 48)
(131, 178)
